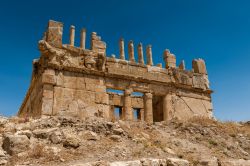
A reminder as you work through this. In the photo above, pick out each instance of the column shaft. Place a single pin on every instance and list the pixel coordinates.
(128, 105)
(83, 38)
(148, 108)
(121, 47)
(140, 54)
(72, 35)
(166, 106)
(131, 51)
(149, 55)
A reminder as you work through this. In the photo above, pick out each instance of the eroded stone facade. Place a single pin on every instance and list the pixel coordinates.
(74, 81)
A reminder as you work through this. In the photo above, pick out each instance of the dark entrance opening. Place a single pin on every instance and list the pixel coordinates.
(137, 113)
(157, 108)
(118, 112)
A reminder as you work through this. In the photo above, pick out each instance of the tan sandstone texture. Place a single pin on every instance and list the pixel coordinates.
(71, 141)
(80, 82)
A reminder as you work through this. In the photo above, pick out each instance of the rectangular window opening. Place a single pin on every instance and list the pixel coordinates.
(120, 92)
(137, 94)
(118, 112)
(137, 113)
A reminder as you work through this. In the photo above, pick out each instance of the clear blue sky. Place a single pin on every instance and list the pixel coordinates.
(218, 31)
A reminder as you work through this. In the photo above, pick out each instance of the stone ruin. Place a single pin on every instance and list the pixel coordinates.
(75, 81)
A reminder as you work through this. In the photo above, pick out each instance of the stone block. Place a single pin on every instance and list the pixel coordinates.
(59, 79)
(48, 91)
(54, 33)
(48, 79)
(94, 80)
(199, 66)
(14, 144)
(47, 106)
(87, 96)
(137, 102)
(80, 83)
(103, 110)
(69, 80)
(62, 98)
(199, 82)
(102, 98)
(95, 88)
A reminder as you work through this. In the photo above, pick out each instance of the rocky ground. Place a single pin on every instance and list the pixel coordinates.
(67, 141)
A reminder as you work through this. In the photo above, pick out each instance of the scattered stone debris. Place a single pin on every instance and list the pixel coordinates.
(53, 141)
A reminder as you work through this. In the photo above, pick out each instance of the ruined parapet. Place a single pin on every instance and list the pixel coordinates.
(199, 66)
(54, 33)
(169, 59)
(72, 80)
(97, 45)
(182, 65)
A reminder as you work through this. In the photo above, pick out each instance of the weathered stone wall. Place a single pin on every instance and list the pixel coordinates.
(32, 103)
(78, 94)
(73, 81)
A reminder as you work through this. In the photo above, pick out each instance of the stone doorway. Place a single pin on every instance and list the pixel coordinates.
(157, 108)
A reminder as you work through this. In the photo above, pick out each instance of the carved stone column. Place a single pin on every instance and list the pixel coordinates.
(131, 51)
(128, 105)
(83, 38)
(148, 108)
(149, 55)
(72, 35)
(140, 54)
(166, 106)
(121, 47)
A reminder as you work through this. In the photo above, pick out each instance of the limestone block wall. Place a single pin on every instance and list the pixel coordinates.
(78, 94)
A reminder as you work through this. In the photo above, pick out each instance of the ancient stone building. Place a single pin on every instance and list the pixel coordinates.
(76, 81)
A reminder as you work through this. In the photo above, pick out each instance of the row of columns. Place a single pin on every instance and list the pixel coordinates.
(169, 58)
(72, 37)
(148, 106)
(139, 50)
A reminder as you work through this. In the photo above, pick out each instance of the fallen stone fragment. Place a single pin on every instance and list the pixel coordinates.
(71, 142)
(90, 135)
(56, 137)
(234, 162)
(43, 133)
(118, 131)
(116, 138)
(14, 144)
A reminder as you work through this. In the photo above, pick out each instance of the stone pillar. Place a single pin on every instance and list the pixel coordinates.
(131, 51)
(140, 54)
(128, 105)
(72, 35)
(166, 106)
(199, 66)
(169, 59)
(182, 65)
(54, 33)
(149, 55)
(148, 108)
(83, 38)
(121, 47)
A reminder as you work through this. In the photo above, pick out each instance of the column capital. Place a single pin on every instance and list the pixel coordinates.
(127, 92)
(148, 95)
